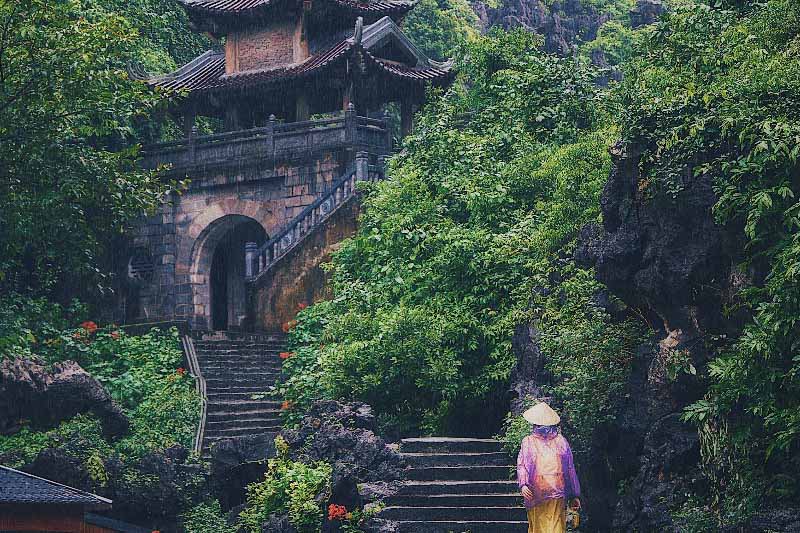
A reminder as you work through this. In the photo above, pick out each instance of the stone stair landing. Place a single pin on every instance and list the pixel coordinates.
(235, 368)
(455, 486)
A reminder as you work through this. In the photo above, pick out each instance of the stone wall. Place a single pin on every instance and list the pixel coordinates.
(179, 240)
(271, 46)
(297, 279)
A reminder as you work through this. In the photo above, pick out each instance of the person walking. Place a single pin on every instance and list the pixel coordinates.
(546, 472)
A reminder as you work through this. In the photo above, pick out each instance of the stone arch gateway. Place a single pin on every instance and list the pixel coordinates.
(217, 272)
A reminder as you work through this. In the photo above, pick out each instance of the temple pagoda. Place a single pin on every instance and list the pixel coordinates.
(293, 59)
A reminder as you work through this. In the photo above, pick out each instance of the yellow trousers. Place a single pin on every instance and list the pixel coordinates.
(548, 517)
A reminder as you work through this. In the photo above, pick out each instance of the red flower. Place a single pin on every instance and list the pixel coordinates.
(181, 371)
(89, 326)
(336, 512)
(302, 305)
(285, 355)
(289, 326)
(286, 405)
(115, 335)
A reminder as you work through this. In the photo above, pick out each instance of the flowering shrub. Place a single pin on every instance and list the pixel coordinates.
(89, 326)
(138, 371)
(336, 512)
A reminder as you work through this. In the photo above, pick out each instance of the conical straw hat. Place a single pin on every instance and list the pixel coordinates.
(541, 414)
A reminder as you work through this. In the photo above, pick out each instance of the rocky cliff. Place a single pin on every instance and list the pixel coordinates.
(563, 23)
(667, 258)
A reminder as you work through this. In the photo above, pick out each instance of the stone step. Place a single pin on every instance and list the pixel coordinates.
(457, 500)
(220, 425)
(219, 358)
(235, 352)
(211, 439)
(460, 473)
(450, 445)
(222, 396)
(457, 487)
(239, 387)
(244, 413)
(413, 526)
(456, 514)
(242, 431)
(240, 372)
(238, 406)
(456, 459)
(237, 373)
(243, 375)
(241, 347)
(239, 363)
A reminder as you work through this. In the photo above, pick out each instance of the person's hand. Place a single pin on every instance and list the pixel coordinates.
(527, 493)
(575, 504)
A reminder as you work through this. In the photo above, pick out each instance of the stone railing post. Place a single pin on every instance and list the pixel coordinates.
(381, 167)
(350, 123)
(250, 252)
(193, 145)
(386, 124)
(271, 136)
(362, 166)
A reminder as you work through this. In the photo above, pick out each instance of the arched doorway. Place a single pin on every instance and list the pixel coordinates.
(227, 291)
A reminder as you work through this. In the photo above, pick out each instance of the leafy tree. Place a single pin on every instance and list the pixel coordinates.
(438, 27)
(68, 183)
(490, 190)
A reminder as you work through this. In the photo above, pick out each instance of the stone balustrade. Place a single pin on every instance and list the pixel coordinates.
(259, 260)
(274, 141)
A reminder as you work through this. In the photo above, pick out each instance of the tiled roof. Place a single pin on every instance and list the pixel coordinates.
(429, 73)
(207, 72)
(224, 7)
(22, 488)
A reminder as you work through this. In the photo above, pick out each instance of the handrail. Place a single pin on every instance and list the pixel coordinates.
(312, 216)
(200, 387)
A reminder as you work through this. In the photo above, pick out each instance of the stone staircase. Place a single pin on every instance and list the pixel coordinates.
(234, 368)
(456, 486)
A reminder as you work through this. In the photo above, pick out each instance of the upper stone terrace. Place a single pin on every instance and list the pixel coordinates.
(274, 142)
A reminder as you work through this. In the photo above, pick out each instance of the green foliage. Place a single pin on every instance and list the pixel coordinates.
(67, 185)
(206, 517)
(515, 428)
(449, 249)
(289, 487)
(615, 39)
(439, 27)
(142, 373)
(588, 355)
(713, 92)
(81, 437)
(303, 381)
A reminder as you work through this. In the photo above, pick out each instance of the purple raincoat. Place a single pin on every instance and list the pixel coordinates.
(546, 466)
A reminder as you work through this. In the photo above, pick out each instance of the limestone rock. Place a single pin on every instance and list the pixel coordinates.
(45, 397)
(646, 12)
(665, 256)
(156, 489)
(671, 453)
(528, 374)
(334, 432)
(562, 23)
(278, 524)
(237, 462)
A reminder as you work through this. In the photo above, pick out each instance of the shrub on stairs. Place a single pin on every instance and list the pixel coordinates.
(289, 487)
